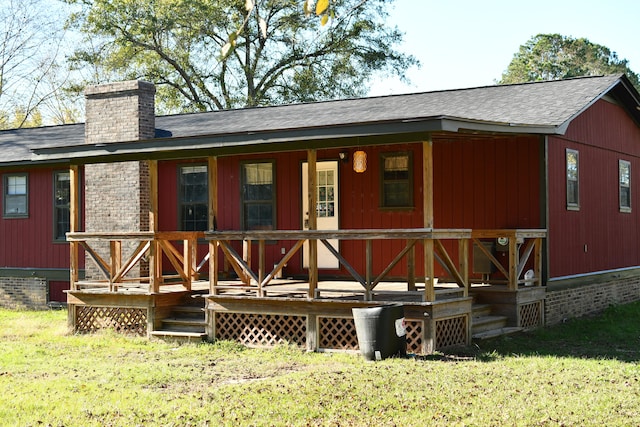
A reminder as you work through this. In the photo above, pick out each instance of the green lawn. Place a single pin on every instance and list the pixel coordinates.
(584, 372)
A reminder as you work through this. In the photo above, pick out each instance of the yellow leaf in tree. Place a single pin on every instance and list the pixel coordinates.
(325, 19)
(321, 7)
(263, 27)
(226, 49)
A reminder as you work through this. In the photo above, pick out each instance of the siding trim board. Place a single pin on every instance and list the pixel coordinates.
(579, 280)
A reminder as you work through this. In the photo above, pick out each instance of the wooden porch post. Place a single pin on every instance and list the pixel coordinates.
(313, 223)
(463, 263)
(154, 258)
(514, 261)
(427, 200)
(538, 261)
(74, 224)
(213, 214)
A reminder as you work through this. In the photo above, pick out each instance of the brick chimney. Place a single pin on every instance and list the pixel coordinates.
(117, 112)
(117, 194)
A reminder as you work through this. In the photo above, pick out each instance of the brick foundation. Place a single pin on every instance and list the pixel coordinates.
(23, 293)
(562, 304)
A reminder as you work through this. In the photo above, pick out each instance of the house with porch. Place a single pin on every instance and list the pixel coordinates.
(481, 211)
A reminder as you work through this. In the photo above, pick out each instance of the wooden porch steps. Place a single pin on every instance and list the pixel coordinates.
(485, 325)
(186, 323)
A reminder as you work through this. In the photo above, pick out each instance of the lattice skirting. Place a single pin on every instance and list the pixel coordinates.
(451, 332)
(124, 320)
(530, 315)
(339, 333)
(261, 329)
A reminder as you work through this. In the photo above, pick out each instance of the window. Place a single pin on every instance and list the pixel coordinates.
(573, 176)
(624, 172)
(16, 200)
(396, 177)
(193, 198)
(61, 203)
(258, 196)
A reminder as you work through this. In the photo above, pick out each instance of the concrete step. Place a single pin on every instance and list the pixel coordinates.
(496, 333)
(179, 336)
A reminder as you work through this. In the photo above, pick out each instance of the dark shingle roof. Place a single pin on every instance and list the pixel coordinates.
(543, 107)
(543, 104)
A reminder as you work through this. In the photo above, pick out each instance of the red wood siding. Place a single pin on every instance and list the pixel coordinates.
(478, 183)
(28, 242)
(487, 183)
(602, 135)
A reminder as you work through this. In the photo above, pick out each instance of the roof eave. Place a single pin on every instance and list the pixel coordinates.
(405, 130)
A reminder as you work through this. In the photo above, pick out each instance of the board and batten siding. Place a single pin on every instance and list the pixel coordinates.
(598, 236)
(29, 242)
(481, 183)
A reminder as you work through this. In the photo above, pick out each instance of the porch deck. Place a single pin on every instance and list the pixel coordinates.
(310, 312)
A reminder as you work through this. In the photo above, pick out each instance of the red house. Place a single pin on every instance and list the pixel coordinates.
(493, 208)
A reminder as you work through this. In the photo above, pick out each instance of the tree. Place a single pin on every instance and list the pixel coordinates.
(207, 55)
(31, 45)
(553, 57)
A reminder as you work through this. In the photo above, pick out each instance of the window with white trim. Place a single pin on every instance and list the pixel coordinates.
(573, 180)
(624, 178)
(61, 204)
(16, 195)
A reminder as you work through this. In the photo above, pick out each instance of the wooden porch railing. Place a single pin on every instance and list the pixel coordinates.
(431, 238)
(149, 246)
(522, 244)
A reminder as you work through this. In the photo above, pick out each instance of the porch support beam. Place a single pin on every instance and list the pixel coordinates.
(313, 222)
(74, 223)
(427, 207)
(463, 263)
(538, 262)
(514, 260)
(212, 175)
(154, 258)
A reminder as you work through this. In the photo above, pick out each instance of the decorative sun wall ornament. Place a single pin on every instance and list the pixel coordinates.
(359, 161)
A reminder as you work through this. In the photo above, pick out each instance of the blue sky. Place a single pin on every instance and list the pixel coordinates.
(468, 43)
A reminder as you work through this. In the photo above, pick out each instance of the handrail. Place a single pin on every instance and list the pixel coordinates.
(150, 245)
(431, 237)
(522, 243)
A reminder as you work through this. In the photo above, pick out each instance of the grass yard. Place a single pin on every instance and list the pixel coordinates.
(582, 373)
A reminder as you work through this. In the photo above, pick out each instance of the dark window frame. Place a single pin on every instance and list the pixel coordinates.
(572, 183)
(244, 203)
(386, 182)
(6, 196)
(201, 224)
(622, 188)
(59, 208)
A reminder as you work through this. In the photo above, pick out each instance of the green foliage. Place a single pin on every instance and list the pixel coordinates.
(206, 55)
(20, 119)
(578, 377)
(553, 57)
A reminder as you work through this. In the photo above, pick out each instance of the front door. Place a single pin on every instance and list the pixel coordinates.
(326, 209)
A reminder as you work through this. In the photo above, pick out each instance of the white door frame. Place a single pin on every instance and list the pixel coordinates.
(328, 212)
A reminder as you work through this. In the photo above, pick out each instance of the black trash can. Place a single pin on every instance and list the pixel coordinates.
(380, 331)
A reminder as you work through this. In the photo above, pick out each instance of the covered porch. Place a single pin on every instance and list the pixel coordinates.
(147, 275)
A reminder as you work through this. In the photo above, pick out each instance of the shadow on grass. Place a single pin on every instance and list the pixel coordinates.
(614, 334)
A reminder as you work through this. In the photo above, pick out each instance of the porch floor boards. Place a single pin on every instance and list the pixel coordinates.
(296, 288)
